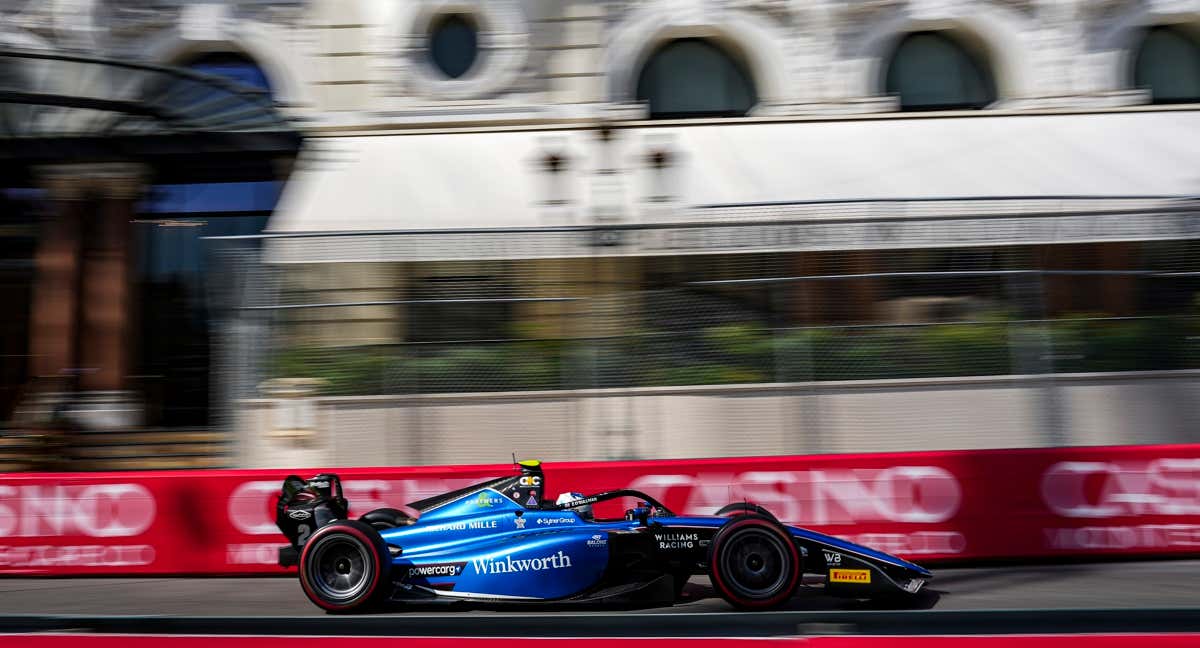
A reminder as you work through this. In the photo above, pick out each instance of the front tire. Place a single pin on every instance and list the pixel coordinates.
(741, 508)
(753, 563)
(345, 567)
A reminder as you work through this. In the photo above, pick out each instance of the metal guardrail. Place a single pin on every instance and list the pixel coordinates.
(713, 321)
(856, 209)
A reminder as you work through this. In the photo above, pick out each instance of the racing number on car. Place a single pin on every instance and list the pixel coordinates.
(303, 531)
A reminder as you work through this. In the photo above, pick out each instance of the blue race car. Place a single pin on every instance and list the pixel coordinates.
(500, 542)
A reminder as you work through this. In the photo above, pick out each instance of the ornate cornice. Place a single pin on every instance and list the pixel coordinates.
(132, 19)
(286, 13)
(855, 11)
(780, 10)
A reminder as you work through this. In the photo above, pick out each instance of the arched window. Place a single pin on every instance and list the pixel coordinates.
(232, 66)
(454, 44)
(251, 198)
(1168, 65)
(174, 274)
(695, 78)
(183, 95)
(931, 71)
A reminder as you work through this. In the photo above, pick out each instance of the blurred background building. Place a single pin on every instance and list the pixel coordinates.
(587, 229)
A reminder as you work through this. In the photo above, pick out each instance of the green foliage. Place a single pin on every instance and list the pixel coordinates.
(750, 353)
(705, 374)
(393, 369)
(1083, 343)
(965, 350)
(345, 372)
(749, 340)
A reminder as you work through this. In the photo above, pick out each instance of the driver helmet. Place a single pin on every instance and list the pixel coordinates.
(584, 511)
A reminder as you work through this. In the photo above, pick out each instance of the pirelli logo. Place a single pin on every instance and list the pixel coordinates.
(861, 576)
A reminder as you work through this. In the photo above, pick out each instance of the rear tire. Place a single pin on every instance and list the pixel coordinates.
(386, 518)
(753, 563)
(345, 567)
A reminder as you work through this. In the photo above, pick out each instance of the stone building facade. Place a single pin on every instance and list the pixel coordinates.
(549, 153)
(364, 63)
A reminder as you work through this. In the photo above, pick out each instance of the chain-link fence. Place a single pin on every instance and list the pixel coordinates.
(568, 331)
(714, 332)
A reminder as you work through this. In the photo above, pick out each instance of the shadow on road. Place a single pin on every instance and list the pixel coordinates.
(697, 596)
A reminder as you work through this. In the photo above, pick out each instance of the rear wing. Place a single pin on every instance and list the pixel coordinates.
(305, 505)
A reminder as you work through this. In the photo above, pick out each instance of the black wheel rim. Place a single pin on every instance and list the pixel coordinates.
(755, 564)
(340, 568)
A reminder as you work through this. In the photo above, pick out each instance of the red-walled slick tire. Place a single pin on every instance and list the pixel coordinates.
(345, 567)
(741, 508)
(753, 563)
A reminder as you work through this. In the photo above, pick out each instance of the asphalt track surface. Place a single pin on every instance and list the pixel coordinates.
(1108, 585)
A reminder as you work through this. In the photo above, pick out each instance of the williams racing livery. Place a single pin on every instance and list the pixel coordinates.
(500, 541)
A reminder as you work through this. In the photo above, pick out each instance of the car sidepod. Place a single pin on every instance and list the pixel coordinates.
(544, 556)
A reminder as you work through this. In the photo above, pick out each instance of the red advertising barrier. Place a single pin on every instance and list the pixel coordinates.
(989, 641)
(928, 506)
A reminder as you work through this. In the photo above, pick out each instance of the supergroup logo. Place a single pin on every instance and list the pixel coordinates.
(551, 521)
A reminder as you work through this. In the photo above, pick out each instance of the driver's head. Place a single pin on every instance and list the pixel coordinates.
(584, 511)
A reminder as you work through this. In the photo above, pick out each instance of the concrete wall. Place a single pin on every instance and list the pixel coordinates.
(680, 422)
